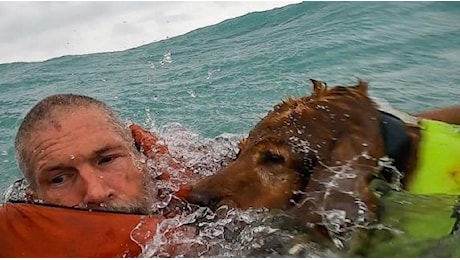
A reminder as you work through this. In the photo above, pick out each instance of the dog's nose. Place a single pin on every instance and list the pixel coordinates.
(203, 198)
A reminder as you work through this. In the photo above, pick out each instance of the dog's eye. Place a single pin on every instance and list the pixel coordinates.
(269, 157)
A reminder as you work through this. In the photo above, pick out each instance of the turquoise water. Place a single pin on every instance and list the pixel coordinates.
(223, 78)
(220, 80)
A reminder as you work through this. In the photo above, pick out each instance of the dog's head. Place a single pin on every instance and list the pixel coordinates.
(313, 154)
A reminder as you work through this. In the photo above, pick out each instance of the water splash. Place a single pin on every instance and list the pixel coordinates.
(205, 155)
(16, 191)
(211, 72)
(167, 58)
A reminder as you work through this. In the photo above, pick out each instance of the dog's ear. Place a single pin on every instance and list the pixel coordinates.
(351, 178)
(360, 163)
(362, 86)
(350, 195)
(319, 88)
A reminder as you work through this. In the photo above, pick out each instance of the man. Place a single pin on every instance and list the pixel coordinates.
(75, 151)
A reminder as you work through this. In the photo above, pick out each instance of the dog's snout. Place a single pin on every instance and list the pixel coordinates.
(203, 198)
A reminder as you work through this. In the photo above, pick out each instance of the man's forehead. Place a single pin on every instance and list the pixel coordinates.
(77, 116)
(75, 139)
(76, 126)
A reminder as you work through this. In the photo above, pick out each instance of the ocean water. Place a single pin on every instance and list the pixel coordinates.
(220, 80)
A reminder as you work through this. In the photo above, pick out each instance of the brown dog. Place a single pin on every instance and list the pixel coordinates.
(315, 156)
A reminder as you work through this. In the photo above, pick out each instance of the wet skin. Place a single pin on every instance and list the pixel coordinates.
(79, 160)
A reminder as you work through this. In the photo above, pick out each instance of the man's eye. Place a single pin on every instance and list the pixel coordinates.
(58, 180)
(106, 159)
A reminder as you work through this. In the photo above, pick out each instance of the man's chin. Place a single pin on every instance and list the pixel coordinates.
(121, 207)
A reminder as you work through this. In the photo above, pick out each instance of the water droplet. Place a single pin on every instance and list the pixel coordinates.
(365, 155)
(191, 93)
(166, 58)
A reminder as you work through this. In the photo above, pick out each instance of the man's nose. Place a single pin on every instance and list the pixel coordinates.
(97, 191)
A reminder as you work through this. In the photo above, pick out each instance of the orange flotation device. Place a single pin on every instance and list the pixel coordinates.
(31, 230)
(36, 230)
(153, 147)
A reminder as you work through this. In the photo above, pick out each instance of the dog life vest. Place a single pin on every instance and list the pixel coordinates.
(438, 169)
(437, 172)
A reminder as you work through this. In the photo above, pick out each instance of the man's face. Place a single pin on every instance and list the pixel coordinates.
(79, 160)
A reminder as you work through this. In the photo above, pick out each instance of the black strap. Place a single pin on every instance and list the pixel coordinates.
(396, 139)
(456, 215)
